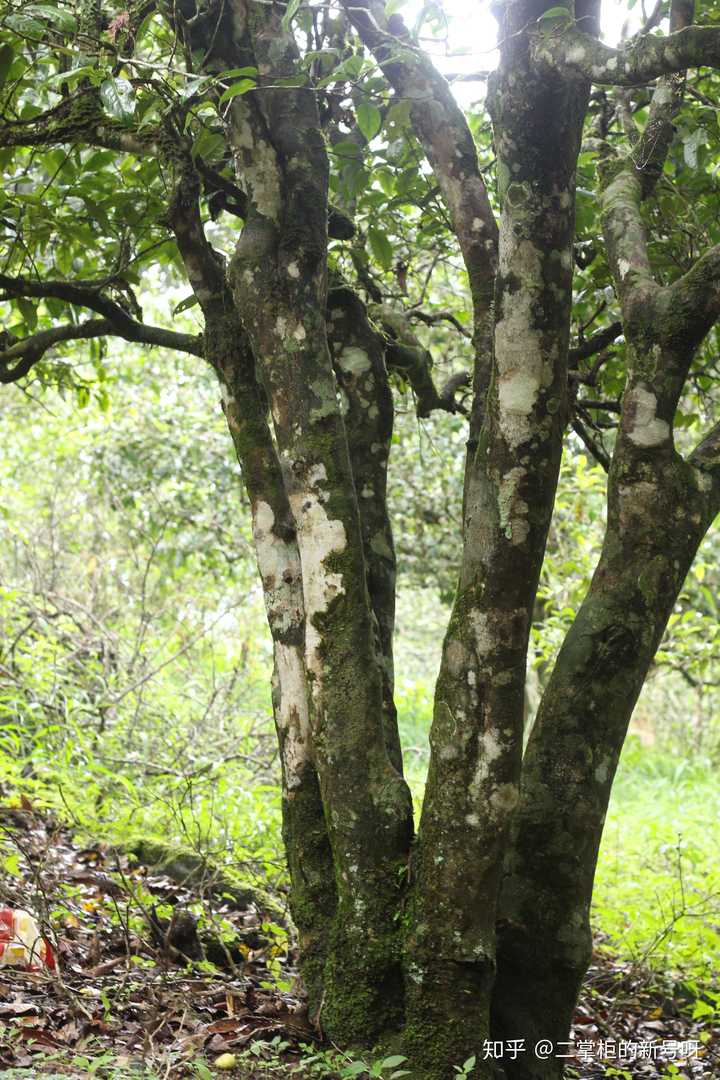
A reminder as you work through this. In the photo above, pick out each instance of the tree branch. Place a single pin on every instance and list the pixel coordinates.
(625, 237)
(445, 137)
(406, 355)
(439, 316)
(591, 445)
(640, 60)
(691, 305)
(28, 351)
(122, 324)
(594, 344)
(80, 119)
(652, 147)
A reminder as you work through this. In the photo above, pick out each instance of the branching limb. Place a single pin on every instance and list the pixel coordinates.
(653, 145)
(24, 354)
(691, 305)
(232, 199)
(80, 293)
(405, 354)
(80, 119)
(591, 444)
(639, 61)
(430, 319)
(625, 236)
(706, 454)
(445, 137)
(594, 344)
(706, 458)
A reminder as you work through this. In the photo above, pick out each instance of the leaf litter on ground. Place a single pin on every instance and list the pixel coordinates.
(136, 994)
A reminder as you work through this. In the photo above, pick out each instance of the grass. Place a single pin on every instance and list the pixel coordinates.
(657, 893)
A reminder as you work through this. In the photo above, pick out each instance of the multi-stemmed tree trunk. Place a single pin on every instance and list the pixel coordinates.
(477, 926)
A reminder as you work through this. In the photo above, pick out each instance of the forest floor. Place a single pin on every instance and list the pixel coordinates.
(134, 994)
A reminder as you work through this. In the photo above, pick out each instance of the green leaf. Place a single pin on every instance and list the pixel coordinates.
(290, 12)
(692, 144)
(354, 1069)
(189, 302)
(236, 89)
(6, 58)
(380, 247)
(29, 312)
(118, 97)
(208, 145)
(236, 73)
(72, 76)
(347, 150)
(393, 1061)
(63, 20)
(25, 26)
(556, 13)
(392, 6)
(369, 119)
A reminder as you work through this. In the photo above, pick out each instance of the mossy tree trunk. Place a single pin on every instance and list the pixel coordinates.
(480, 928)
(384, 952)
(660, 506)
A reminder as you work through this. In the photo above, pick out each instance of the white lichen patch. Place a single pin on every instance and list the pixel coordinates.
(299, 332)
(354, 360)
(499, 632)
(603, 770)
(513, 509)
(481, 631)
(703, 481)
(255, 163)
(455, 656)
(292, 713)
(518, 342)
(326, 396)
(624, 268)
(504, 799)
(379, 544)
(293, 270)
(319, 537)
(576, 54)
(489, 750)
(647, 429)
(226, 396)
(279, 565)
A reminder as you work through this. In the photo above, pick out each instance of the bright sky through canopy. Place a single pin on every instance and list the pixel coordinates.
(471, 35)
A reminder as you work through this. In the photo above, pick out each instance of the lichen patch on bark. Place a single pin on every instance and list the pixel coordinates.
(645, 428)
(319, 536)
(292, 714)
(279, 567)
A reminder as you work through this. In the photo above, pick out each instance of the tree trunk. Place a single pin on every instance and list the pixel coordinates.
(477, 731)
(279, 285)
(544, 935)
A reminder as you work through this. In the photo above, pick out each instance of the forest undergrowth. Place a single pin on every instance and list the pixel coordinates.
(138, 777)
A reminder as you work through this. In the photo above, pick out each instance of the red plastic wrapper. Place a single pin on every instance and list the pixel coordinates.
(22, 945)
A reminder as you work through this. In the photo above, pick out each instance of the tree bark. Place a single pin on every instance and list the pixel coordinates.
(477, 731)
(544, 935)
(279, 285)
